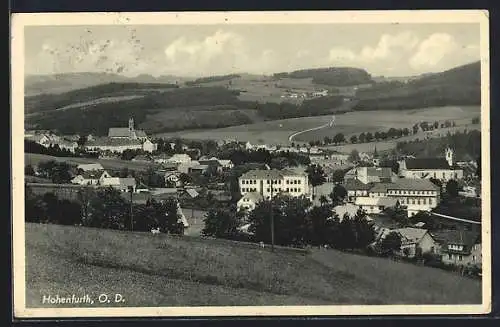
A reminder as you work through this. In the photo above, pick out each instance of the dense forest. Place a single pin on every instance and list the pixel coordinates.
(333, 76)
(458, 86)
(47, 102)
(209, 79)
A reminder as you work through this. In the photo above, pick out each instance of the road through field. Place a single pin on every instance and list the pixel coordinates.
(290, 138)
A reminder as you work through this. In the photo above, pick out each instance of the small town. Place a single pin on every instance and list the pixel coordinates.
(204, 165)
(418, 208)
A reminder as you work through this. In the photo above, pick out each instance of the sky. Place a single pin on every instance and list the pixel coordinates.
(208, 50)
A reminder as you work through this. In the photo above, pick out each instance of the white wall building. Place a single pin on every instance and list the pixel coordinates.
(416, 194)
(179, 158)
(282, 181)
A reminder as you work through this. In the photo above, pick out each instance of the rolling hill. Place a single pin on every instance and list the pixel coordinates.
(161, 270)
(457, 86)
(237, 99)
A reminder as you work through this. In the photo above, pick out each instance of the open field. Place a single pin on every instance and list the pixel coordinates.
(158, 270)
(278, 131)
(114, 164)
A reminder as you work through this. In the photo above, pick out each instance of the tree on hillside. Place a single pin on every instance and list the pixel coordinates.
(362, 137)
(406, 131)
(107, 209)
(354, 139)
(369, 137)
(338, 138)
(316, 176)
(338, 194)
(28, 170)
(354, 156)
(391, 243)
(415, 128)
(452, 188)
(222, 223)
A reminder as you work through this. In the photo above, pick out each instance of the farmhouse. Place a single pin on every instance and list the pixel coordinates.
(271, 182)
(460, 247)
(91, 177)
(425, 168)
(92, 166)
(416, 194)
(249, 201)
(414, 241)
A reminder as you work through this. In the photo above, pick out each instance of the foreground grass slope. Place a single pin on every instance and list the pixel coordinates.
(158, 270)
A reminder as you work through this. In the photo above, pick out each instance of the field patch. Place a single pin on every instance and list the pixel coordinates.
(278, 131)
(158, 270)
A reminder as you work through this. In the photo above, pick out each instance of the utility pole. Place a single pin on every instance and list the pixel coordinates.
(272, 218)
(131, 189)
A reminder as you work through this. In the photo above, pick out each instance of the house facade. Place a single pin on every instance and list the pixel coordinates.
(414, 241)
(355, 189)
(415, 194)
(375, 205)
(459, 247)
(271, 182)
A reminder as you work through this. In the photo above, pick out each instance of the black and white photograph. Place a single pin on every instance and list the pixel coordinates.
(251, 163)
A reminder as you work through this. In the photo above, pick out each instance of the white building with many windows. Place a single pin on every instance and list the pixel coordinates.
(272, 182)
(415, 194)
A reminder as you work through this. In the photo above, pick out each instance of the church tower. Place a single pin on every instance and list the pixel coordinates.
(131, 129)
(449, 154)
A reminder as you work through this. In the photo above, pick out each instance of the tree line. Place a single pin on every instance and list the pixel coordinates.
(103, 208)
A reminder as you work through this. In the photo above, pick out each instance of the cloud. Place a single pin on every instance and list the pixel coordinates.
(388, 48)
(202, 52)
(433, 50)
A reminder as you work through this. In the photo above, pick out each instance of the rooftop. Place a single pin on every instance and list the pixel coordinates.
(106, 141)
(269, 174)
(427, 163)
(355, 185)
(253, 196)
(457, 237)
(370, 201)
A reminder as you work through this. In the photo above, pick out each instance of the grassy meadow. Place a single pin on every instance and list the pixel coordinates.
(158, 270)
(278, 131)
(113, 164)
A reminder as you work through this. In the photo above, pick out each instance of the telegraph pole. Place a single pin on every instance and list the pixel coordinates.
(131, 189)
(272, 218)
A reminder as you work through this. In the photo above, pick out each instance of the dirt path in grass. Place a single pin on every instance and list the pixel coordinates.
(329, 124)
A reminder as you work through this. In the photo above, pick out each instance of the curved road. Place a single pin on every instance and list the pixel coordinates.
(290, 138)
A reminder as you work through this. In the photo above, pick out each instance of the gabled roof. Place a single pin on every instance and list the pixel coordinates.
(356, 185)
(371, 201)
(411, 235)
(381, 172)
(127, 181)
(118, 132)
(140, 133)
(427, 163)
(457, 237)
(106, 141)
(92, 174)
(412, 184)
(253, 196)
(92, 166)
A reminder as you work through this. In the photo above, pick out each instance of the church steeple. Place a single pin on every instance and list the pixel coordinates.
(131, 129)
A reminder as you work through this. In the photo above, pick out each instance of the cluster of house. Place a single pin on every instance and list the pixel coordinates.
(118, 140)
(173, 166)
(305, 95)
(457, 247)
(376, 188)
(49, 139)
(96, 175)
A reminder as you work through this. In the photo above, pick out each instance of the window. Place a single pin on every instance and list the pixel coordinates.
(443, 175)
(287, 181)
(287, 189)
(450, 256)
(460, 258)
(425, 200)
(434, 174)
(473, 258)
(299, 181)
(412, 201)
(430, 201)
(268, 189)
(267, 181)
(418, 201)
